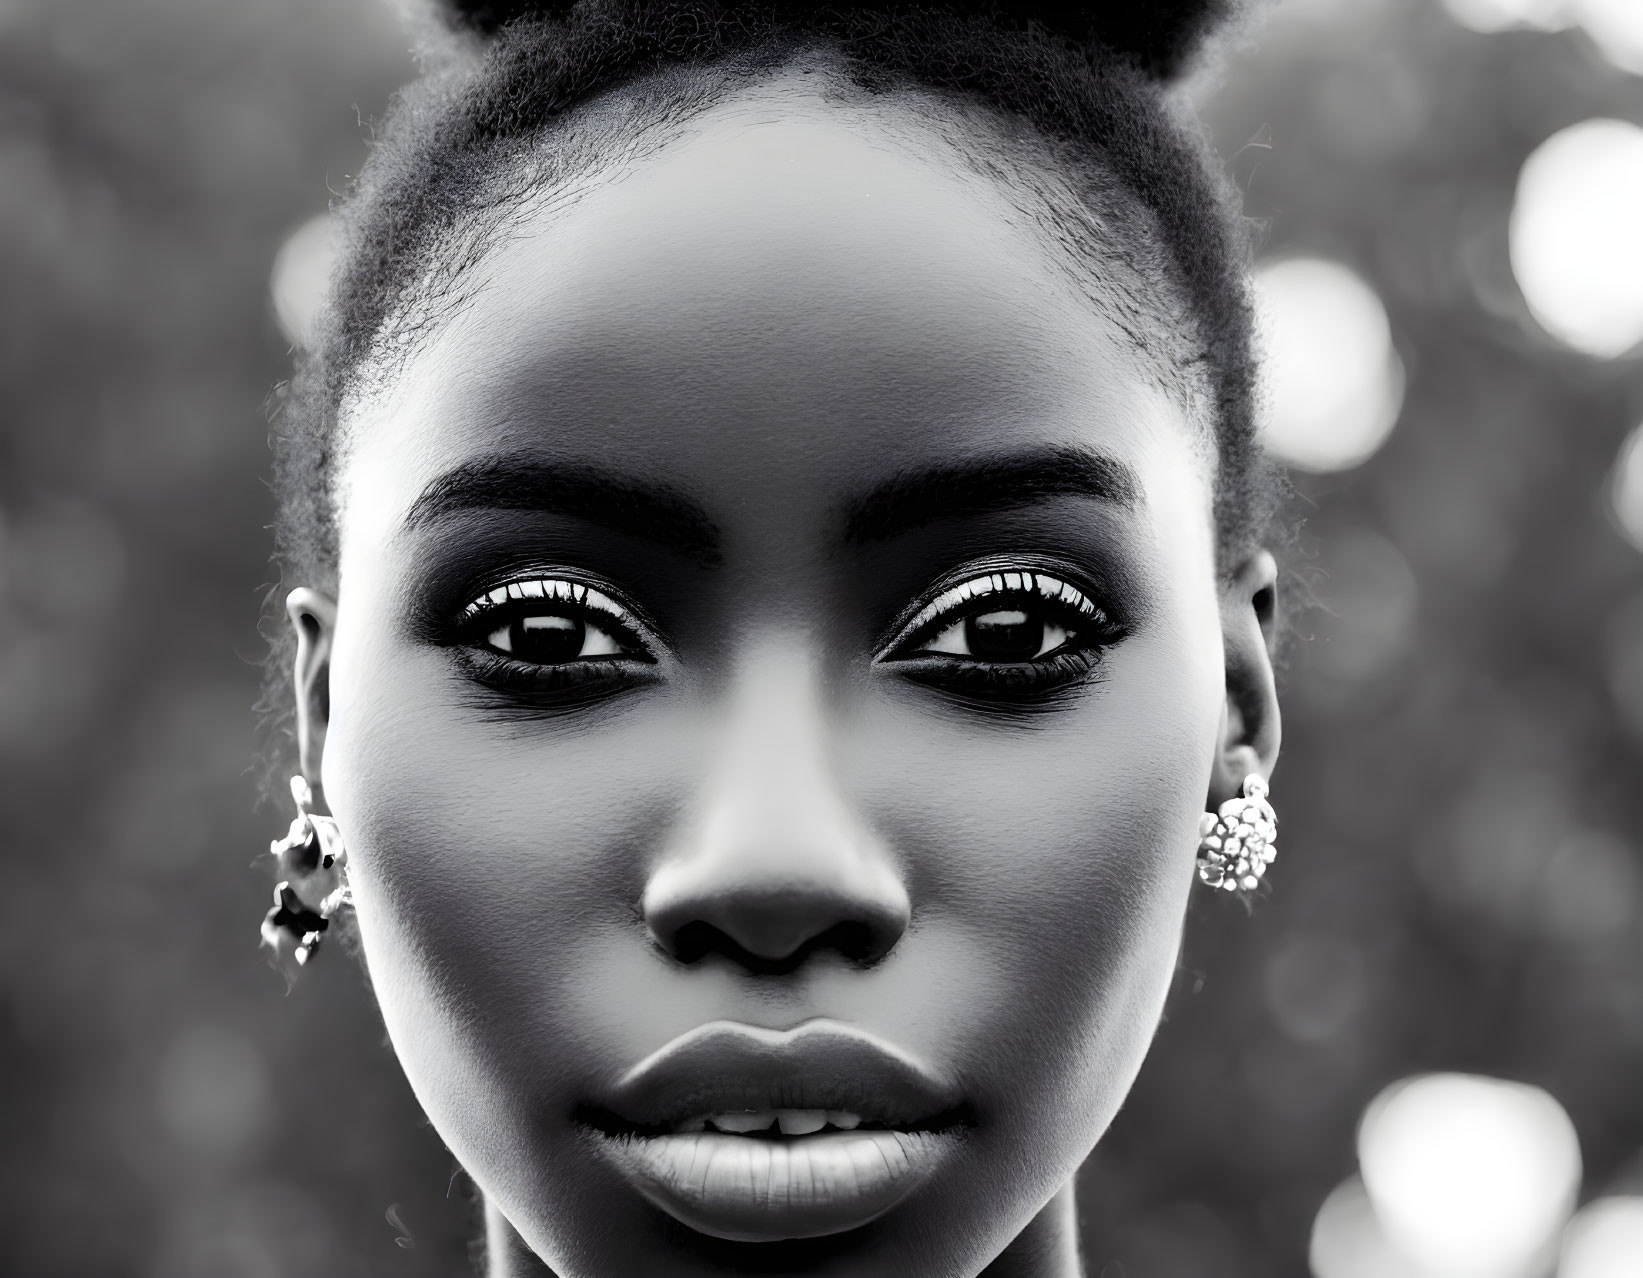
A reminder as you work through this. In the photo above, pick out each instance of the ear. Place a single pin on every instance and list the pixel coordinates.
(314, 618)
(1250, 726)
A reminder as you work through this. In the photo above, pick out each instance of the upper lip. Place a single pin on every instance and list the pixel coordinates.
(819, 1064)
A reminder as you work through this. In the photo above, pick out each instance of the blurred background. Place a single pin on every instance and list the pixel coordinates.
(1417, 1059)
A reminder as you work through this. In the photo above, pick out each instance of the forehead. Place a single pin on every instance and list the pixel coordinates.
(797, 293)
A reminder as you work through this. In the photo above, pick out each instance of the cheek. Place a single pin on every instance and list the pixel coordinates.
(484, 868)
(1065, 851)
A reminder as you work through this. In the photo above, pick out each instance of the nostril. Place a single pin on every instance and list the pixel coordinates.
(855, 941)
(695, 941)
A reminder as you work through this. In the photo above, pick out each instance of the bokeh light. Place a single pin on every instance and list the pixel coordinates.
(1470, 1177)
(1604, 1240)
(1575, 245)
(1503, 15)
(301, 269)
(1348, 1241)
(1333, 383)
(1616, 27)
(1626, 488)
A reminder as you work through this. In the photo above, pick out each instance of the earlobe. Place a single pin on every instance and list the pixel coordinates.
(1251, 730)
(313, 616)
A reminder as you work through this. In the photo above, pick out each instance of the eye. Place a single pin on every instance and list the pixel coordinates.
(1004, 617)
(553, 642)
(1006, 635)
(548, 639)
(551, 622)
(1003, 634)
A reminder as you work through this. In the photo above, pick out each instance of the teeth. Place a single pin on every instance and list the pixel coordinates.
(800, 1122)
(791, 1122)
(746, 1120)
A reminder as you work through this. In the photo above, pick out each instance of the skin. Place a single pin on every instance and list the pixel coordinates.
(772, 339)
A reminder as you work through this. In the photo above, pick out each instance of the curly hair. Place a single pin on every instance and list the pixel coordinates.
(496, 118)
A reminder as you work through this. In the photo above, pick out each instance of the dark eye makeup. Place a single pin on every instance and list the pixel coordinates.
(1007, 636)
(554, 639)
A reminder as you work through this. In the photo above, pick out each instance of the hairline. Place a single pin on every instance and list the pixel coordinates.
(1124, 274)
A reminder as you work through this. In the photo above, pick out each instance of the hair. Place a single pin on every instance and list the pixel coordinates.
(495, 118)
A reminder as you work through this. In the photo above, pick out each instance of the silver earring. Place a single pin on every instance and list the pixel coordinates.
(1237, 843)
(313, 887)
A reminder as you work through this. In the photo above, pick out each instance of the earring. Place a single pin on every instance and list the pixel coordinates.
(312, 855)
(1237, 843)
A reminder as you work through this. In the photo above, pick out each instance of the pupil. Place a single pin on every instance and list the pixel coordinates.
(548, 639)
(1004, 636)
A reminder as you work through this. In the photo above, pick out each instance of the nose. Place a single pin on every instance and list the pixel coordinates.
(773, 862)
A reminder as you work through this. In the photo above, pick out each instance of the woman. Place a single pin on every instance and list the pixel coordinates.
(775, 547)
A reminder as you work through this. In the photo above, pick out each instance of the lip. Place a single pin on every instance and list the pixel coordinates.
(757, 1189)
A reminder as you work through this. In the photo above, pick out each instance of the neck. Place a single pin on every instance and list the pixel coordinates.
(1046, 1248)
(506, 1255)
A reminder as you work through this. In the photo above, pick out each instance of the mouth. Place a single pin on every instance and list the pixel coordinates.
(756, 1135)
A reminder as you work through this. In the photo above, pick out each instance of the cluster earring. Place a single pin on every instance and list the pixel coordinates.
(1238, 842)
(313, 886)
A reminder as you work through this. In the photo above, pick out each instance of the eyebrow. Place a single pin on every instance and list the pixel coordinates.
(916, 498)
(637, 508)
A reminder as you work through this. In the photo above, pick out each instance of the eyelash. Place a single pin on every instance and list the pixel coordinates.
(575, 680)
(1088, 631)
(1087, 628)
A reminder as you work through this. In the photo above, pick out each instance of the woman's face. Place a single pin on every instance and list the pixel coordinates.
(776, 673)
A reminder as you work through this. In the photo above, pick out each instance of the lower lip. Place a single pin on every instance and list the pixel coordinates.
(761, 1190)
